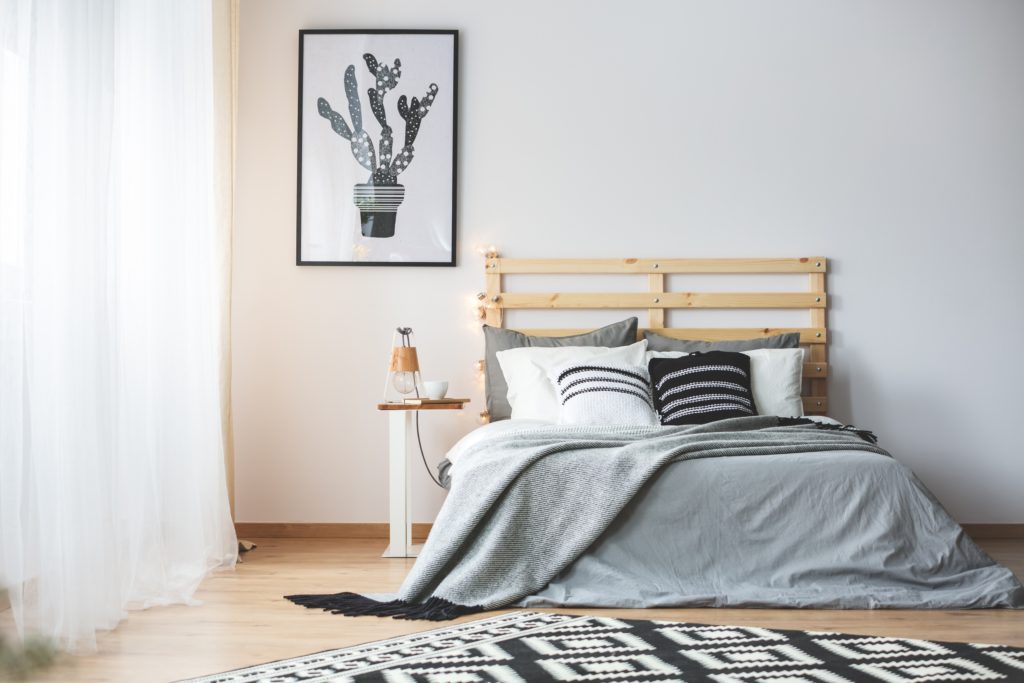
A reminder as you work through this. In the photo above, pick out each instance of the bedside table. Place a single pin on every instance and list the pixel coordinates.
(399, 490)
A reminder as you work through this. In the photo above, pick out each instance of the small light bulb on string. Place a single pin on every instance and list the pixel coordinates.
(478, 308)
(488, 252)
(485, 417)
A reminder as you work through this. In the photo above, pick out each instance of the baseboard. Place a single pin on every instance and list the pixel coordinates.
(994, 530)
(421, 529)
(249, 530)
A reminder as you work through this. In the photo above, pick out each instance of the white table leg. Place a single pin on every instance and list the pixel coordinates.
(399, 489)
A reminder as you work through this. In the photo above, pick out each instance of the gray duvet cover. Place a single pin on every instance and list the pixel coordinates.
(842, 529)
(848, 530)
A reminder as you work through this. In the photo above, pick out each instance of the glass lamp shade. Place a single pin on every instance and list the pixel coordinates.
(403, 380)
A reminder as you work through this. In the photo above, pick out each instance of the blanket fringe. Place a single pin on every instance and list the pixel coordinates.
(865, 434)
(355, 605)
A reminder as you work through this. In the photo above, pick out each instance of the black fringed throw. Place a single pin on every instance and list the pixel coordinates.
(865, 434)
(355, 605)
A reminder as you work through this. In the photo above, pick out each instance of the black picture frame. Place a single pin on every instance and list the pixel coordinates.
(376, 198)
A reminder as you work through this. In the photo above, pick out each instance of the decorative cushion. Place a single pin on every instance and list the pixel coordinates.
(598, 393)
(776, 379)
(702, 387)
(658, 342)
(527, 371)
(497, 339)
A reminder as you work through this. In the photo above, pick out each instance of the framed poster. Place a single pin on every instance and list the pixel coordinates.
(377, 147)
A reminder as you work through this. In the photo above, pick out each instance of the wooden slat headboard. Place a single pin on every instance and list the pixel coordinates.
(657, 300)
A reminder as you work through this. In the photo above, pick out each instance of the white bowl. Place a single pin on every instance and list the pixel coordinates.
(435, 389)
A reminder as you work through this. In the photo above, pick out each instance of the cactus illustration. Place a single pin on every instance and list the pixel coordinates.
(379, 197)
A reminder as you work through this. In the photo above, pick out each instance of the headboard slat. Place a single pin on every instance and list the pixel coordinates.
(818, 352)
(805, 264)
(663, 300)
(815, 405)
(808, 335)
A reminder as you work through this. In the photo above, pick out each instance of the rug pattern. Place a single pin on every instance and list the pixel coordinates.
(522, 647)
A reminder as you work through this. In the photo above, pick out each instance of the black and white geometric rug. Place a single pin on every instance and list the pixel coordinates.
(529, 646)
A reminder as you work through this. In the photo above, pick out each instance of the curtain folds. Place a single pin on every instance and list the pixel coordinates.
(226, 15)
(114, 259)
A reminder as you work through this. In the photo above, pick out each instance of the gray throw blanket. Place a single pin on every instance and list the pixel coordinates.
(525, 505)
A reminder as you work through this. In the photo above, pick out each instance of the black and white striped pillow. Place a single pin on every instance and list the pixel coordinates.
(702, 387)
(604, 394)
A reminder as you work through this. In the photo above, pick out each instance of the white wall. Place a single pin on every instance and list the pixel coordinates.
(886, 135)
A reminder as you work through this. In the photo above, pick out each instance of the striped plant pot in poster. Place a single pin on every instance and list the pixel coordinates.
(378, 207)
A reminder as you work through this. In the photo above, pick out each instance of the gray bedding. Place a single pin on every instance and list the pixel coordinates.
(846, 529)
(833, 530)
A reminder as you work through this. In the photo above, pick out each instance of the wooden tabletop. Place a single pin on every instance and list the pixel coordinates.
(423, 406)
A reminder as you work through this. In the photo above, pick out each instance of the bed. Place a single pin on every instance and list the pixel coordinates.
(757, 511)
(751, 531)
(836, 529)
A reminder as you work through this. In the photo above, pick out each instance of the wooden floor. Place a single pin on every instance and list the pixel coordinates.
(244, 620)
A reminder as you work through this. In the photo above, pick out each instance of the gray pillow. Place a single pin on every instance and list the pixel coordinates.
(657, 342)
(499, 339)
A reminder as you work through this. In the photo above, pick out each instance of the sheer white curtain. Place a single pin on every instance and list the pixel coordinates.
(112, 277)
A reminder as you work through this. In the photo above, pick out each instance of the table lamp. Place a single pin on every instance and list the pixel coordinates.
(403, 369)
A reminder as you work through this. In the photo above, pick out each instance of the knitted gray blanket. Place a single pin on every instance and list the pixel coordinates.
(524, 506)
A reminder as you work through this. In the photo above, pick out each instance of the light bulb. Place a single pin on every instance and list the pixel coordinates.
(404, 382)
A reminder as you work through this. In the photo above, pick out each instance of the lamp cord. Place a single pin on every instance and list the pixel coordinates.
(419, 442)
(423, 455)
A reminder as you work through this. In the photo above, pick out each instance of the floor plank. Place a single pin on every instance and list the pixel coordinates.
(245, 621)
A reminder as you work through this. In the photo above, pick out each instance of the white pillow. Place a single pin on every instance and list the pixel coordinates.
(776, 379)
(598, 393)
(531, 394)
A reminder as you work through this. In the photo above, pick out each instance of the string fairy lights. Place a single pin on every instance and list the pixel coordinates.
(480, 313)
